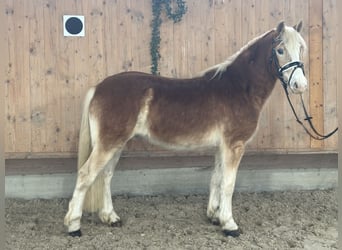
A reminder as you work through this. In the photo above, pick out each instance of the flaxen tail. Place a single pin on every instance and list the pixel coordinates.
(94, 197)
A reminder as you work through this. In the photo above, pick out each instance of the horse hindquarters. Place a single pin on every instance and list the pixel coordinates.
(105, 123)
(105, 129)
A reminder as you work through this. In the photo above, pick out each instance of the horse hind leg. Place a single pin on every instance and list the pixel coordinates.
(107, 214)
(85, 178)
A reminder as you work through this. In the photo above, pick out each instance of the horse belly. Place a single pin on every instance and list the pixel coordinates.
(178, 137)
(185, 141)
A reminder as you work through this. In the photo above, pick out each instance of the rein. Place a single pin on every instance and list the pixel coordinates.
(297, 65)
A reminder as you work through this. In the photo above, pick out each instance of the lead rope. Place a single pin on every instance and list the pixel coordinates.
(307, 118)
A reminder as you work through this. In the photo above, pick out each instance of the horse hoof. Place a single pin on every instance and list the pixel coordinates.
(77, 233)
(232, 233)
(116, 224)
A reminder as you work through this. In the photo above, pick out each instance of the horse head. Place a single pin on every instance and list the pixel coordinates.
(289, 52)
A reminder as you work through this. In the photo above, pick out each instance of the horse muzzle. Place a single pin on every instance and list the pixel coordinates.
(298, 85)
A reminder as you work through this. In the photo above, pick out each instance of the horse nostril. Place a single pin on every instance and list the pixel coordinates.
(295, 85)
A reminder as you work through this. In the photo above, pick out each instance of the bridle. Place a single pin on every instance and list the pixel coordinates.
(280, 70)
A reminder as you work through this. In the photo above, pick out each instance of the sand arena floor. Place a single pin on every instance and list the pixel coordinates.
(269, 220)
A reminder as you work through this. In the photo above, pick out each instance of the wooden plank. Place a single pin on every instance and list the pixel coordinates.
(235, 25)
(9, 87)
(248, 18)
(4, 66)
(166, 60)
(316, 68)
(18, 85)
(22, 99)
(124, 32)
(3, 78)
(95, 36)
(39, 117)
(141, 16)
(228, 29)
(111, 37)
(249, 161)
(82, 73)
(66, 78)
(142, 152)
(194, 37)
(222, 48)
(330, 70)
(208, 42)
(180, 48)
(52, 99)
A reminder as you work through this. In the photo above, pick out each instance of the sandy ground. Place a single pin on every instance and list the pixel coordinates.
(277, 220)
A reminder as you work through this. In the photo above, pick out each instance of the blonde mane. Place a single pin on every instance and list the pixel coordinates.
(290, 38)
(221, 67)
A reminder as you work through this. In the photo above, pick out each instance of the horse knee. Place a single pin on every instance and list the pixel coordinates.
(84, 180)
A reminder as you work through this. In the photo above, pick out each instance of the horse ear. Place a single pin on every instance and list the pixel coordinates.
(299, 26)
(281, 27)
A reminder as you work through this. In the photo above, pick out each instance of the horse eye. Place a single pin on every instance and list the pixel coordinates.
(280, 51)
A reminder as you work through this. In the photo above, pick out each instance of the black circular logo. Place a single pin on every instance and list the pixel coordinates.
(74, 25)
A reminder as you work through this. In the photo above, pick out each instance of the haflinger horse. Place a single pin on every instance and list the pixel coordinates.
(219, 109)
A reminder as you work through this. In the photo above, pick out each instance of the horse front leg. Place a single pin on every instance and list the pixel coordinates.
(214, 196)
(231, 156)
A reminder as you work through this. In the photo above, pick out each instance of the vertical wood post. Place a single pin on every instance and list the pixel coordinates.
(316, 67)
(3, 76)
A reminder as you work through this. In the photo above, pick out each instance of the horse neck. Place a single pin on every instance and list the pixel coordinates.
(254, 71)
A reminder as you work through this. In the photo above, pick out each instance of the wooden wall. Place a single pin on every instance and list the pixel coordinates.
(47, 74)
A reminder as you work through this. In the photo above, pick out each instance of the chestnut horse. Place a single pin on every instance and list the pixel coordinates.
(219, 109)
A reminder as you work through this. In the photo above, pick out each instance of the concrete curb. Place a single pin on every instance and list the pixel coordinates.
(172, 181)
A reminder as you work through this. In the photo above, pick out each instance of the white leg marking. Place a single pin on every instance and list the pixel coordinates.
(73, 218)
(231, 157)
(214, 196)
(107, 213)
